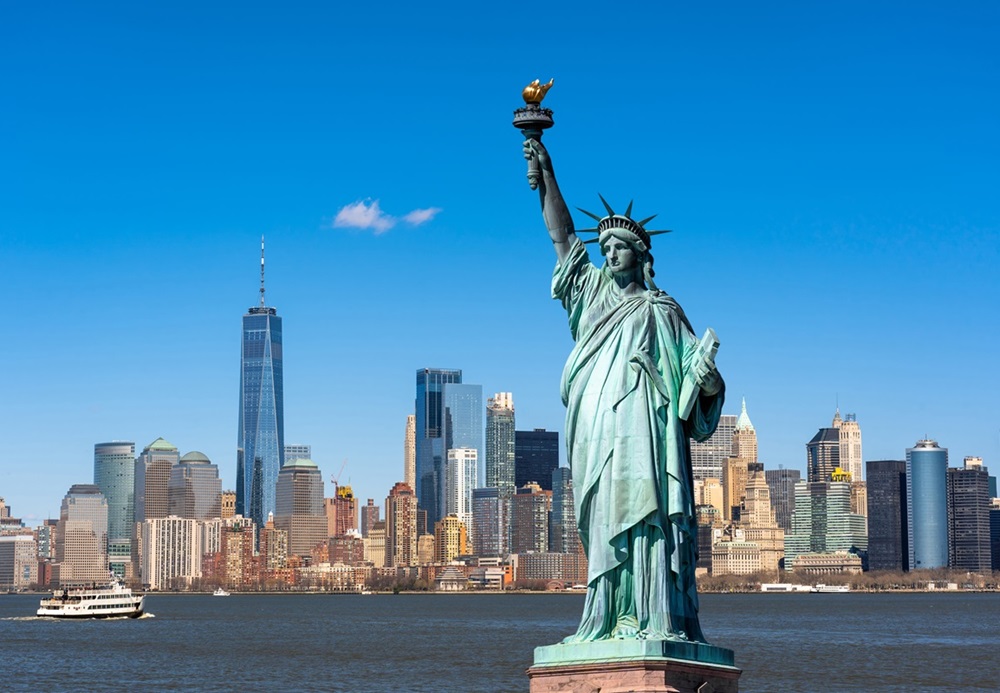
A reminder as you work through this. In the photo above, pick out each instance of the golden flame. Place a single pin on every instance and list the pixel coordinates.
(535, 92)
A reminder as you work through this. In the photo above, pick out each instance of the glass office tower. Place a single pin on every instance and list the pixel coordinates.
(430, 432)
(261, 444)
(927, 505)
(114, 474)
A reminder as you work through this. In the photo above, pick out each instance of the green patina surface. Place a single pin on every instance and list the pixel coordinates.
(632, 650)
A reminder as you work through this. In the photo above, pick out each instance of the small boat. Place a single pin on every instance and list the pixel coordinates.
(220, 593)
(113, 600)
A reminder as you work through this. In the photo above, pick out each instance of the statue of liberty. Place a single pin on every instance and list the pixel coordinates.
(637, 385)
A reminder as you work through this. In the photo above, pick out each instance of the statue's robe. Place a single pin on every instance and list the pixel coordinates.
(629, 453)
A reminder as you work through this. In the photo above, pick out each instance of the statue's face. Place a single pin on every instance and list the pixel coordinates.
(621, 256)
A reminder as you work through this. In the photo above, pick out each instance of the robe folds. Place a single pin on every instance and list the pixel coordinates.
(629, 453)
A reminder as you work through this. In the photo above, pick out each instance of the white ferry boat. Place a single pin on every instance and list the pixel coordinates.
(220, 593)
(106, 601)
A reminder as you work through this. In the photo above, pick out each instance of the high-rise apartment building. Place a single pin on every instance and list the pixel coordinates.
(410, 452)
(172, 551)
(781, 483)
(194, 490)
(500, 454)
(261, 436)
(374, 544)
(450, 539)
(927, 505)
(969, 517)
(490, 528)
(114, 474)
(708, 456)
(536, 456)
(82, 537)
(530, 509)
(370, 514)
(460, 478)
(152, 480)
(299, 506)
(563, 534)
(341, 511)
(401, 526)
(888, 547)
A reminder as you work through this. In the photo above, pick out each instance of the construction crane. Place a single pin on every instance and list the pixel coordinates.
(335, 478)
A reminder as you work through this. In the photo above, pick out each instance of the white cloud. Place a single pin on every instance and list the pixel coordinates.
(364, 214)
(421, 216)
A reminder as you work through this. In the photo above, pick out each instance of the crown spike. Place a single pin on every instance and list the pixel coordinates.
(628, 212)
(656, 233)
(646, 220)
(611, 212)
(589, 214)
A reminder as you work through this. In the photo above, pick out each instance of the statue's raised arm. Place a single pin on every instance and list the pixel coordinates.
(554, 209)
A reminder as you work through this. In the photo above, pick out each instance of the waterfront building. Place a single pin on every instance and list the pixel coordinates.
(374, 544)
(114, 474)
(736, 558)
(708, 456)
(530, 509)
(995, 532)
(152, 480)
(450, 539)
(410, 452)
(568, 568)
(211, 535)
(239, 566)
(969, 517)
(850, 457)
(823, 521)
(194, 490)
(401, 526)
(297, 451)
(425, 549)
(828, 563)
(536, 456)
(888, 547)
(490, 528)
(460, 478)
(228, 504)
(261, 434)
(274, 550)
(171, 552)
(500, 444)
(370, 514)
(299, 506)
(781, 483)
(18, 562)
(82, 537)
(348, 549)
(927, 505)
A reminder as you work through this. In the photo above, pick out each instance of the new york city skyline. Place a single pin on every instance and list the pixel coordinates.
(829, 175)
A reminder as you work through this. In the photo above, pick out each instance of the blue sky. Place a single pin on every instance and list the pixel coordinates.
(831, 174)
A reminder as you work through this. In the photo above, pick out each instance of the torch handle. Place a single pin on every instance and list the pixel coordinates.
(534, 171)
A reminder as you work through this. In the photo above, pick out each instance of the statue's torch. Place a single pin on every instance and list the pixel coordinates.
(532, 120)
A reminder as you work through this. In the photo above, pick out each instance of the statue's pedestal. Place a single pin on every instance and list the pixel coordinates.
(620, 666)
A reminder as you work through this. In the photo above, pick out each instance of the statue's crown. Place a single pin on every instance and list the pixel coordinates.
(607, 224)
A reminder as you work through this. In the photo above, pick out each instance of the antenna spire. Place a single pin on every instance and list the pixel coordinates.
(262, 271)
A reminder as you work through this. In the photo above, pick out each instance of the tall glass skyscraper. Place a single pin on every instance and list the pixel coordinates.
(114, 474)
(261, 441)
(927, 505)
(500, 443)
(449, 415)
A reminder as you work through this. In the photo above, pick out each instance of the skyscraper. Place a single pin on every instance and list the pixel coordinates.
(823, 522)
(850, 445)
(782, 482)
(927, 505)
(299, 506)
(489, 522)
(370, 514)
(114, 474)
(969, 517)
(530, 509)
(82, 537)
(195, 490)
(887, 535)
(410, 452)
(261, 438)
(401, 526)
(823, 453)
(563, 535)
(461, 476)
(536, 456)
(708, 456)
(745, 437)
(430, 445)
(152, 480)
(500, 457)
